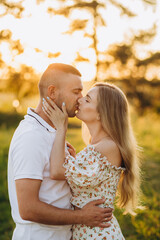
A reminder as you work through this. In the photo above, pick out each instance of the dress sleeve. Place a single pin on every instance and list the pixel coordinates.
(87, 169)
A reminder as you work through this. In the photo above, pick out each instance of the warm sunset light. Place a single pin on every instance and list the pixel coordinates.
(15, 103)
(42, 34)
(105, 40)
(73, 148)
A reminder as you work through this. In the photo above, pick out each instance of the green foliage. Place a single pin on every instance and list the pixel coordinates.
(145, 226)
(8, 120)
(22, 83)
(7, 225)
(140, 93)
(122, 57)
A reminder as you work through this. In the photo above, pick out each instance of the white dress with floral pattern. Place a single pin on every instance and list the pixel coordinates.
(92, 177)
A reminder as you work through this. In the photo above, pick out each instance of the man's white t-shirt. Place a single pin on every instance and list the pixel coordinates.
(29, 157)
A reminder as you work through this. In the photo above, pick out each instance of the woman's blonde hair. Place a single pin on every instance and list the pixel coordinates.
(114, 114)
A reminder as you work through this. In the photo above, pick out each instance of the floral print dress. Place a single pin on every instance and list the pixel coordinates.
(92, 177)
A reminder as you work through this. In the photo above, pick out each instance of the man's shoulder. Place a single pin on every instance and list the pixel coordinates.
(28, 131)
(26, 127)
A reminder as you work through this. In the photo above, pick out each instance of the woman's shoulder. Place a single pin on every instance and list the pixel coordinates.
(106, 145)
(108, 148)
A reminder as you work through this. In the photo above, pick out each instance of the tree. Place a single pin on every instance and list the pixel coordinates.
(22, 82)
(8, 7)
(129, 72)
(94, 10)
(123, 57)
(16, 9)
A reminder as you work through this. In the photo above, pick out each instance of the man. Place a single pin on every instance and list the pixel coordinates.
(41, 206)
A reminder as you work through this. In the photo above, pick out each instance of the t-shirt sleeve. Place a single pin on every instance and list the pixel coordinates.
(28, 157)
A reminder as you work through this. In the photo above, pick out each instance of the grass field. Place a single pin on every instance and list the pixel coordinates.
(146, 225)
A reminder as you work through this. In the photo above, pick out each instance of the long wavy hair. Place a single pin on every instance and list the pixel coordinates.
(115, 119)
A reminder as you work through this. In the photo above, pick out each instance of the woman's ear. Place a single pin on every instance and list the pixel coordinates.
(98, 117)
(52, 92)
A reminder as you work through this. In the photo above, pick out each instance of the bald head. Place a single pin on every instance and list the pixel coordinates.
(53, 75)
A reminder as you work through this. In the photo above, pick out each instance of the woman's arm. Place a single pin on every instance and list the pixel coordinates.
(60, 120)
(57, 157)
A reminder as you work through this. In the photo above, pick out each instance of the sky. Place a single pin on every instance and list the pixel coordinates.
(41, 33)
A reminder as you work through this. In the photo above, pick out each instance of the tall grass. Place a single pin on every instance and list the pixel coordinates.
(6, 226)
(146, 224)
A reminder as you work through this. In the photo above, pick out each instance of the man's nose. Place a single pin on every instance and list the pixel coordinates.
(80, 95)
(79, 99)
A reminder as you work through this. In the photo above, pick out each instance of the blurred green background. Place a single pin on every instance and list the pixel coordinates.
(107, 40)
(146, 224)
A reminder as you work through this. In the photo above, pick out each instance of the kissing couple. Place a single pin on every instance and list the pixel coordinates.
(56, 194)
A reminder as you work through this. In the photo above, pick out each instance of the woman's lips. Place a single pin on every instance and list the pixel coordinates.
(77, 107)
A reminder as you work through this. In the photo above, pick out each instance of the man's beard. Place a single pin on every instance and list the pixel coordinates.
(72, 114)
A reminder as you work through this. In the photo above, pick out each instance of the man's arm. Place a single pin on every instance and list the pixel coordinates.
(32, 209)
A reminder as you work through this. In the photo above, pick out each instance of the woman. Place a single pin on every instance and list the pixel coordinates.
(107, 163)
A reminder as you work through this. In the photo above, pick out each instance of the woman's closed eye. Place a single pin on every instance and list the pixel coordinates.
(87, 98)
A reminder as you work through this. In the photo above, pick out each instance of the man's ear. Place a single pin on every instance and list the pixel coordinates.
(51, 92)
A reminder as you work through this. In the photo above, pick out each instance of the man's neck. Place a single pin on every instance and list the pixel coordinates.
(40, 112)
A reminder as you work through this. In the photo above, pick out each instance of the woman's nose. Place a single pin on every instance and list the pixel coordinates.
(80, 100)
